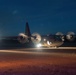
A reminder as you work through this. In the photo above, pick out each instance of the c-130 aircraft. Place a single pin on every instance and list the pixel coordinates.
(39, 40)
(35, 39)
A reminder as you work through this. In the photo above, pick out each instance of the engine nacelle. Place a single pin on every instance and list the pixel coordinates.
(70, 36)
(22, 38)
(36, 38)
(61, 35)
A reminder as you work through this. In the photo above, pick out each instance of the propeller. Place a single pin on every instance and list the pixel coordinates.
(22, 38)
(36, 38)
(70, 36)
(61, 35)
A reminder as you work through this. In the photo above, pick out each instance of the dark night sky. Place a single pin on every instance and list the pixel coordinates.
(44, 16)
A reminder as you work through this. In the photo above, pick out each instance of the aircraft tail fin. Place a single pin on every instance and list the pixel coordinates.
(27, 30)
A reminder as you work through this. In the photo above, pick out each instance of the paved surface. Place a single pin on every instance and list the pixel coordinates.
(60, 61)
(43, 50)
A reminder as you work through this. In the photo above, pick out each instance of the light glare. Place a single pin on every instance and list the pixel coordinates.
(38, 45)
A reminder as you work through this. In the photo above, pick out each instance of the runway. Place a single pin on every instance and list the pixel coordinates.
(38, 61)
(43, 50)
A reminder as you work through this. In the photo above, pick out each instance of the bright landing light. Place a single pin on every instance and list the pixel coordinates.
(38, 45)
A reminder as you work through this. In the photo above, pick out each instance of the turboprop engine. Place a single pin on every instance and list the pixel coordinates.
(61, 35)
(70, 36)
(36, 38)
(22, 38)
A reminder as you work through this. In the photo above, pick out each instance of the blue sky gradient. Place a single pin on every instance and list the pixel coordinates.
(44, 16)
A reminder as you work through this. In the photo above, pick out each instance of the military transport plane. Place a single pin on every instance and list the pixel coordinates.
(47, 40)
(39, 40)
(27, 39)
